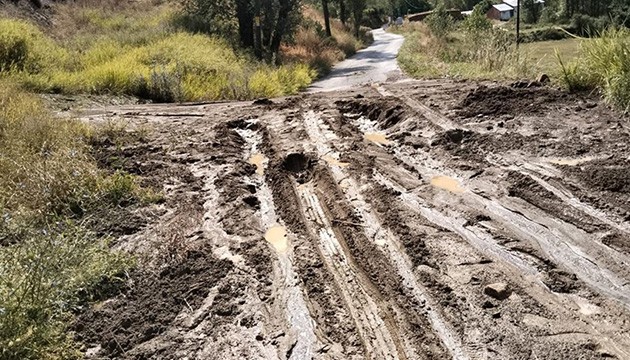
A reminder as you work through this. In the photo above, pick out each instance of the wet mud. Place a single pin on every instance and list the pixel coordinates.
(418, 220)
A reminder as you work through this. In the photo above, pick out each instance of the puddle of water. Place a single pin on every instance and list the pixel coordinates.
(258, 160)
(277, 237)
(376, 138)
(332, 161)
(571, 162)
(447, 183)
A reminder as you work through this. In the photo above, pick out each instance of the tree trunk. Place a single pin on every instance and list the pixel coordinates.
(286, 6)
(326, 17)
(342, 11)
(245, 23)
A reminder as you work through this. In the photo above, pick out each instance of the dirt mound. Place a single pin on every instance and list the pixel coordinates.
(503, 100)
(154, 301)
(386, 113)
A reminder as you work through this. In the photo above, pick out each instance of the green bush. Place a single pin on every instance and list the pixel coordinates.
(23, 47)
(49, 262)
(440, 23)
(604, 63)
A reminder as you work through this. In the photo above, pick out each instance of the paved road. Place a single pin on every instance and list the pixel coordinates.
(374, 64)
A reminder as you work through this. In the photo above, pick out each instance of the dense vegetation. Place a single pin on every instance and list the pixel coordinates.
(166, 51)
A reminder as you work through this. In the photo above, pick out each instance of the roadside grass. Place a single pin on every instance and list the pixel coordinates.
(140, 49)
(456, 55)
(51, 263)
(603, 63)
(543, 54)
(136, 51)
(489, 55)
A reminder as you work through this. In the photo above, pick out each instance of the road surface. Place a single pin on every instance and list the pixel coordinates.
(374, 64)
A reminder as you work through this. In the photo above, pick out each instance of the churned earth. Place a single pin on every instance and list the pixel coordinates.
(392, 220)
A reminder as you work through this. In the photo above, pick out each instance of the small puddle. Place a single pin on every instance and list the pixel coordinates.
(447, 183)
(277, 237)
(376, 138)
(571, 162)
(258, 160)
(332, 161)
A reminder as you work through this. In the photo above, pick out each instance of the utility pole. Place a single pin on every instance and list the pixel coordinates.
(518, 22)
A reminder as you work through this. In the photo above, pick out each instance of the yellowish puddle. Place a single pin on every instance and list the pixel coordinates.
(332, 161)
(376, 138)
(447, 183)
(258, 160)
(277, 237)
(571, 162)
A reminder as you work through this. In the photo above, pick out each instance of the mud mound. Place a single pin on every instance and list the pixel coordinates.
(503, 100)
(153, 303)
(386, 113)
(606, 177)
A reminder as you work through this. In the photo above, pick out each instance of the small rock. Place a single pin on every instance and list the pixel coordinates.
(496, 315)
(359, 96)
(498, 291)
(487, 305)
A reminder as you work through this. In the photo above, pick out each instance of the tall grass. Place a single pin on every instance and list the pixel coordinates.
(50, 262)
(604, 64)
(480, 54)
(140, 53)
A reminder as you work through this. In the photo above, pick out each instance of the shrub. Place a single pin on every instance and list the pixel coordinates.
(49, 262)
(23, 47)
(440, 22)
(604, 63)
(477, 21)
(585, 25)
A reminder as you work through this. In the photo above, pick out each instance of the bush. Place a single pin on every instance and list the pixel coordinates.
(604, 63)
(477, 21)
(50, 264)
(440, 22)
(585, 25)
(23, 47)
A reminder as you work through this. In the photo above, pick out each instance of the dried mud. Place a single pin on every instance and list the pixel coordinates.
(391, 249)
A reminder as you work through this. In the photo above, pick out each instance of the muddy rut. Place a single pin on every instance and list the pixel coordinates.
(418, 220)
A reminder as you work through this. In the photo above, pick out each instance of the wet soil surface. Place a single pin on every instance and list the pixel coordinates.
(418, 220)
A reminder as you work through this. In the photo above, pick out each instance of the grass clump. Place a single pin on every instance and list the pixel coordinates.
(603, 64)
(475, 52)
(51, 263)
(141, 49)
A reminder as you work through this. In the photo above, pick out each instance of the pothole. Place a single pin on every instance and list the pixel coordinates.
(296, 162)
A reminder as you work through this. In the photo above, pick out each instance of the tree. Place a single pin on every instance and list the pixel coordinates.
(531, 11)
(477, 21)
(356, 8)
(326, 17)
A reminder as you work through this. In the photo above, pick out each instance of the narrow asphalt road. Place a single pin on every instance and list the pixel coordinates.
(373, 64)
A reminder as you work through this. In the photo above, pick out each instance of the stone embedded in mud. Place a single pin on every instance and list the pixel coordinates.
(499, 291)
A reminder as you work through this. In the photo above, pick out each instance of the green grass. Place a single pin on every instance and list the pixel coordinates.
(51, 263)
(138, 53)
(543, 54)
(603, 63)
(491, 56)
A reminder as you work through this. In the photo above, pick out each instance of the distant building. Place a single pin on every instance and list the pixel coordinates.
(467, 13)
(513, 4)
(503, 12)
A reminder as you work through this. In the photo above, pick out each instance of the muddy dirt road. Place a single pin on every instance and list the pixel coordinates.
(375, 64)
(415, 220)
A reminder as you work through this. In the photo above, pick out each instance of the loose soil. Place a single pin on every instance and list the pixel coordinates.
(370, 224)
